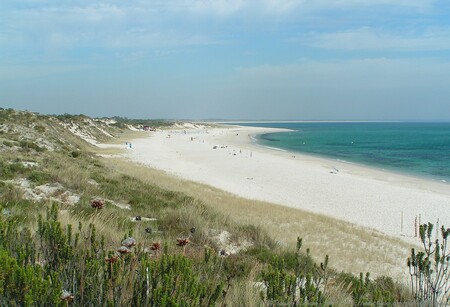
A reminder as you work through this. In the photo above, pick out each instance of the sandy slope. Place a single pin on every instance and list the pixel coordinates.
(368, 197)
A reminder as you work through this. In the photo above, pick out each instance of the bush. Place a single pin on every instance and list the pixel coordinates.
(39, 128)
(39, 177)
(26, 285)
(31, 145)
(364, 290)
(10, 170)
(8, 144)
(430, 269)
(91, 275)
(22, 281)
(305, 285)
(75, 154)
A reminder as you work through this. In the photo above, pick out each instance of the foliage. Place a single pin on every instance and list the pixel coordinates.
(10, 170)
(22, 280)
(364, 290)
(7, 143)
(39, 177)
(430, 269)
(303, 286)
(40, 128)
(75, 153)
(82, 266)
(121, 122)
(28, 145)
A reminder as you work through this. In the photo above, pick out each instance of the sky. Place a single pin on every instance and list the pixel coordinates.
(228, 59)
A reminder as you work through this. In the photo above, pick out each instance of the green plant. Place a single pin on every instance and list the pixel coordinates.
(39, 128)
(430, 269)
(365, 291)
(22, 280)
(26, 284)
(7, 143)
(10, 170)
(39, 177)
(75, 153)
(27, 145)
(301, 287)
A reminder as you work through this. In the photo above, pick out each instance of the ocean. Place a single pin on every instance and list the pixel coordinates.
(418, 149)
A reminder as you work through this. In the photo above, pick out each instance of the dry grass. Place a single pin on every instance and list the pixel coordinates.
(351, 248)
(128, 135)
(246, 292)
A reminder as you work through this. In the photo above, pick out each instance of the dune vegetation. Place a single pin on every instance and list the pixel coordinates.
(78, 229)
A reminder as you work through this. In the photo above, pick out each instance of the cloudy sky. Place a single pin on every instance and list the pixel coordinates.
(228, 59)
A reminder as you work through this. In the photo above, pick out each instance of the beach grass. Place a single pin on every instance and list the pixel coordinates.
(350, 247)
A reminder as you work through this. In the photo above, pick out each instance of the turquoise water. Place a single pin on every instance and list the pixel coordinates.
(420, 149)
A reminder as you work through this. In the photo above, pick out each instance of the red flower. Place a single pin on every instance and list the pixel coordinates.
(156, 246)
(97, 203)
(182, 242)
(111, 259)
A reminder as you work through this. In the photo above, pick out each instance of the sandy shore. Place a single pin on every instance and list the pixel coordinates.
(226, 158)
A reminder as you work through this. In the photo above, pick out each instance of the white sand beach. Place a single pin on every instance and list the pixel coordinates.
(226, 158)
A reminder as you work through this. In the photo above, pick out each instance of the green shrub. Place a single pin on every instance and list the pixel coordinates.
(8, 143)
(26, 285)
(31, 145)
(17, 168)
(91, 275)
(11, 170)
(260, 252)
(430, 269)
(39, 177)
(381, 291)
(22, 281)
(305, 285)
(75, 154)
(39, 128)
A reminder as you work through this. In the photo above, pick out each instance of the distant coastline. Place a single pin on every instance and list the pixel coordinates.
(237, 122)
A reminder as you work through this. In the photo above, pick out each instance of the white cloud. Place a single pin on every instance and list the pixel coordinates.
(113, 23)
(276, 7)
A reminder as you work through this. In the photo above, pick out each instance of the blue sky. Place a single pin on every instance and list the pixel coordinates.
(179, 59)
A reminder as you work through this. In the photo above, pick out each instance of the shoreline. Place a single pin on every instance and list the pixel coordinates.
(372, 198)
(410, 175)
(441, 185)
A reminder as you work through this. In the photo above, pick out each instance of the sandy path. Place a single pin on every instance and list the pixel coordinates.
(367, 197)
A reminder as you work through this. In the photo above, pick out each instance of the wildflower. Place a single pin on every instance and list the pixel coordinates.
(223, 253)
(182, 242)
(111, 259)
(97, 203)
(156, 246)
(66, 296)
(129, 242)
(124, 250)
